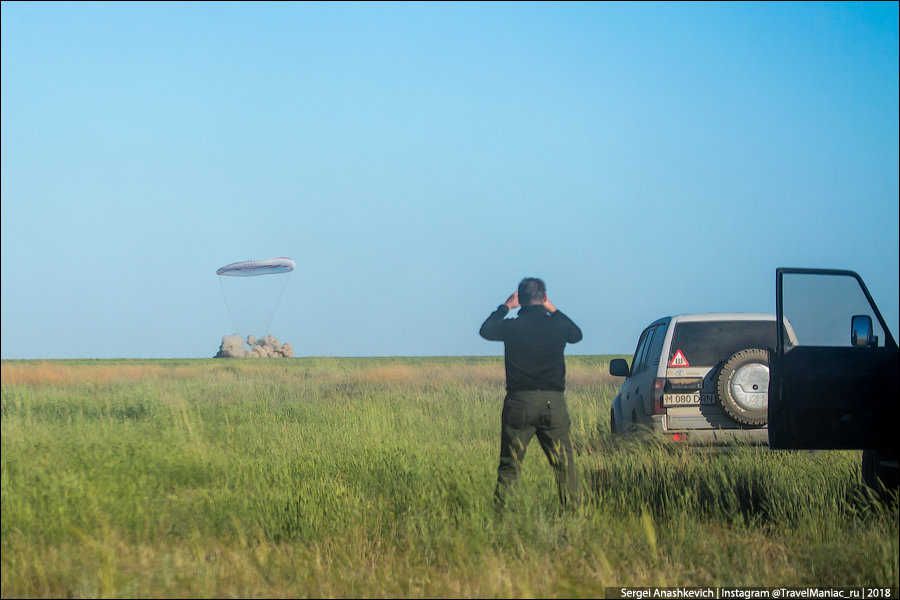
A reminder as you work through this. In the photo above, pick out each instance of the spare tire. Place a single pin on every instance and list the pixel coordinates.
(742, 386)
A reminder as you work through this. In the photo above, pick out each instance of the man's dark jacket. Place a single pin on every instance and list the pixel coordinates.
(534, 343)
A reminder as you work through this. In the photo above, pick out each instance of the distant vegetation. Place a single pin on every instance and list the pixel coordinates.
(329, 477)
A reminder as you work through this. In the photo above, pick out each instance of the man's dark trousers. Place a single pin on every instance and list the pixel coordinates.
(541, 412)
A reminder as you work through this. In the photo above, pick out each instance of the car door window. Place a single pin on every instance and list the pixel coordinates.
(639, 352)
(820, 307)
(656, 344)
(641, 356)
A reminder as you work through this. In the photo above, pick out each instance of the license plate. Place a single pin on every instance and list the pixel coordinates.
(692, 399)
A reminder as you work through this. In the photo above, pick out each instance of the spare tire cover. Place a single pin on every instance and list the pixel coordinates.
(742, 386)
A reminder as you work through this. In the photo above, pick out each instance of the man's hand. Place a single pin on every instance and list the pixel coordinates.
(513, 301)
(548, 306)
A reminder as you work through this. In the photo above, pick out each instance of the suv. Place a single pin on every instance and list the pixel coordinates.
(838, 387)
(699, 378)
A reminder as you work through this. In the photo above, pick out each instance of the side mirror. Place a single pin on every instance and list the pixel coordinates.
(618, 367)
(861, 332)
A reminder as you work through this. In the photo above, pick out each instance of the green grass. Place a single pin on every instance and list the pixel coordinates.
(325, 477)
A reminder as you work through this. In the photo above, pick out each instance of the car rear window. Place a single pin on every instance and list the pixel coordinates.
(707, 343)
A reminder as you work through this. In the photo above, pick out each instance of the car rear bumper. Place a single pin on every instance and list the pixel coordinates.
(710, 436)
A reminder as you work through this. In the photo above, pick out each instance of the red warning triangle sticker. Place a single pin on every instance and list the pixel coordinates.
(679, 360)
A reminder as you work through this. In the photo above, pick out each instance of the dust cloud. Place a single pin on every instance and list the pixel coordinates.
(233, 346)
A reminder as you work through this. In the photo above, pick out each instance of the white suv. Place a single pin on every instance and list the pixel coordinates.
(699, 378)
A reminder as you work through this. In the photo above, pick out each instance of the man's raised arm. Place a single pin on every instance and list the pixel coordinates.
(573, 332)
(492, 328)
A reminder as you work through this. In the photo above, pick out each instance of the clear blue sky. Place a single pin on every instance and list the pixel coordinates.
(418, 159)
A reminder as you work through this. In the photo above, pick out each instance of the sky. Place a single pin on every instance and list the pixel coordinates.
(417, 160)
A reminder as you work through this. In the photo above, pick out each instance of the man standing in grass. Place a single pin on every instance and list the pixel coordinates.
(535, 400)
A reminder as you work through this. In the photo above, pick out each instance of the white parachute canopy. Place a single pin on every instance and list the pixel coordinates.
(252, 268)
(252, 291)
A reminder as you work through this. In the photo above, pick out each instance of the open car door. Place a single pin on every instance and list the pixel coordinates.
(838, 387)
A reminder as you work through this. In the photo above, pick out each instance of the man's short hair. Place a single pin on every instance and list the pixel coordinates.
(532, 291)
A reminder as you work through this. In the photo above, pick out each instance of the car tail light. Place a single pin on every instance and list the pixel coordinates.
(676, 437)
(659, 385)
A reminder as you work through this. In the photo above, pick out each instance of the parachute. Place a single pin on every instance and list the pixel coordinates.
(252, 268)
(250, 298)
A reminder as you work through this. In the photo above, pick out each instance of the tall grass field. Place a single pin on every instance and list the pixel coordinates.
(340, 477)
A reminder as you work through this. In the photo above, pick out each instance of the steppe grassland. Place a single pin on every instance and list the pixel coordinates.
(327, 477)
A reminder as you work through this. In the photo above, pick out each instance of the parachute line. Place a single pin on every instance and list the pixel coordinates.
(252, 302)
